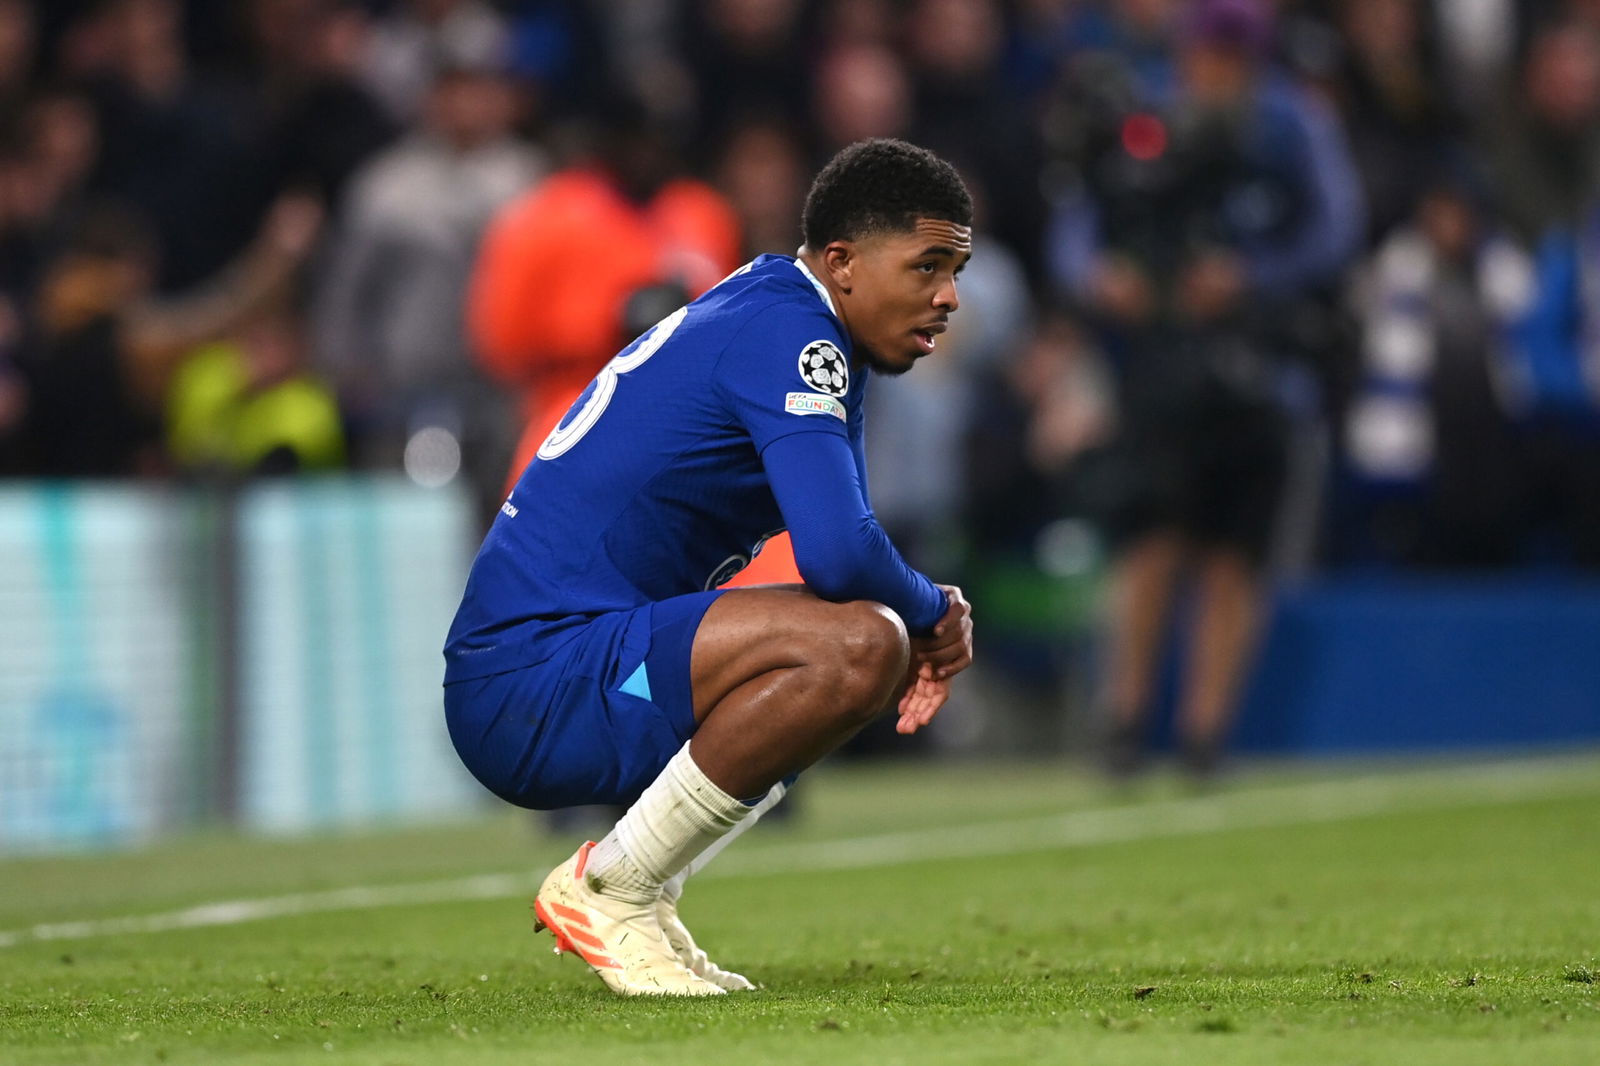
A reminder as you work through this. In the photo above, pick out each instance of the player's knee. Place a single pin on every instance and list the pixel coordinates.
(871, 650)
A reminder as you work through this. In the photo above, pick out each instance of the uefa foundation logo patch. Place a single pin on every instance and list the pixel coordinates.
(813, 403)
(822, 366)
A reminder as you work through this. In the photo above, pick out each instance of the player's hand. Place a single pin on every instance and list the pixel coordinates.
(949, 649)
(922, 700)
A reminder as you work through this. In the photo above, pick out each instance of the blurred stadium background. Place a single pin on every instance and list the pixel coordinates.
(282, 282)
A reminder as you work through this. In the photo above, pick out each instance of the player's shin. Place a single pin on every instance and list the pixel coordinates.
(674, 885)
(680, 816)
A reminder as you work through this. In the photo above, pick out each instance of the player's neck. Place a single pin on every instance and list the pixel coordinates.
(819, 270)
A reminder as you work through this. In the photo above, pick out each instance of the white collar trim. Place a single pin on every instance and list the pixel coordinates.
(822, 290)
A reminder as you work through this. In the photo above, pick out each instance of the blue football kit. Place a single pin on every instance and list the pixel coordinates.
(567, 667)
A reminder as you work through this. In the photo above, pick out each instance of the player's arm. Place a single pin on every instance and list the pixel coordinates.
(840, 549)
(843, 554)
(948, 649)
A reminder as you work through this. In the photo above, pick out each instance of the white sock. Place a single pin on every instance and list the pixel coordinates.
(674, 886)
(679, 816)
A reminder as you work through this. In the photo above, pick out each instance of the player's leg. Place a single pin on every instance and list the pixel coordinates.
(776, 679)
(781, 678)
(781, 576)
(774, 796)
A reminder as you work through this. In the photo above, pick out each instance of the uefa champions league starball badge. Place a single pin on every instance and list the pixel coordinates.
(823, 367)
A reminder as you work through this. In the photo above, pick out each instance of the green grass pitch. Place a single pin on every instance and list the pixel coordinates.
(927, 914)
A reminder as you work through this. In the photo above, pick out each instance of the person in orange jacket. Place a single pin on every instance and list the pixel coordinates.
(574, 268)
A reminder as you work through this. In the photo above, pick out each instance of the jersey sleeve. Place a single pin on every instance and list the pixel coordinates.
(839, 548)
(787, 371)
(856, 429)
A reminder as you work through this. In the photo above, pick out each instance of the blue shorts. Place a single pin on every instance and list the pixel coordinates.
(594, 723)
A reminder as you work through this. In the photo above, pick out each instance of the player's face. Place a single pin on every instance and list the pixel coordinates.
(903, 291)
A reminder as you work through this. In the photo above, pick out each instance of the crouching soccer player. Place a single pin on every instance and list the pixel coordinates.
(595, 660)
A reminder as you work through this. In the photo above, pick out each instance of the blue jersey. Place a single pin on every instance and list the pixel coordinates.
(732, 419)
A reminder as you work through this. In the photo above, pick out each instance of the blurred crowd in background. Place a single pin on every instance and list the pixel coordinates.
(1258, 286)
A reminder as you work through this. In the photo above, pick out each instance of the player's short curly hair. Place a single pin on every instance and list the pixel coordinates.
(881, 186)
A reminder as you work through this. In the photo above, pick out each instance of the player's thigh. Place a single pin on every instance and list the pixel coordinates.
(750, 632)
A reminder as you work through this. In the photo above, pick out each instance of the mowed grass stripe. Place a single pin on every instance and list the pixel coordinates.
(1239, 809)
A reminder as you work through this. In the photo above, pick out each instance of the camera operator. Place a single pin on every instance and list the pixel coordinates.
(1213, 200)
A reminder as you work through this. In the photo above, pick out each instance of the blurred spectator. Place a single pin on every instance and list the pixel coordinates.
(299, 95)
(1205, 217)
(389, 321)
(44, 183)
(170, 149)
(1069, 394)
(246, 405)
(587, 260)
(861, 92)
(18, 44)
(1135, 35)
(869, 22)
(762, 171)
(967, 112)
(1543, 143)
(1544, 156)
(105, 346)
(1553, 389)
(1045, 408)
(557, 48)
(1393, 102)
(62, 140)
(417, 36)
(1427, 437)
(747, 58)
(1477, 43)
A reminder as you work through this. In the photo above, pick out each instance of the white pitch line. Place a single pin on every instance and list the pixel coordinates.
(1304, 804)
(236, 911)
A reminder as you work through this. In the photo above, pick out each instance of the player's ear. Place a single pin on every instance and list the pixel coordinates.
(839, 258)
